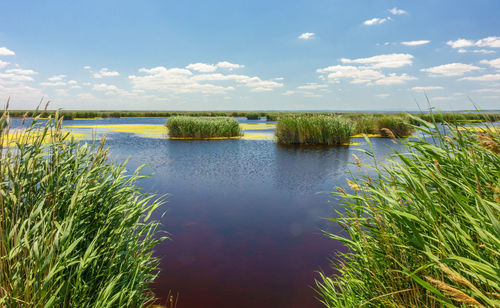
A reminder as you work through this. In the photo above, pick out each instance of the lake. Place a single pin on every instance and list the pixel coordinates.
(244, 216)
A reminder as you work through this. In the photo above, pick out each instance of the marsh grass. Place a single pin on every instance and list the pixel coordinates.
(325, 130)
(201, 128)
(424, 231)
(75, 231)
(399, 126)
(253, 116)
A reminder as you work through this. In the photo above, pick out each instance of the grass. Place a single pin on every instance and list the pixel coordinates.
(253, 116)
(75, 231)
(326, 130)
(424, 231)
(202, 128)
(395, 126)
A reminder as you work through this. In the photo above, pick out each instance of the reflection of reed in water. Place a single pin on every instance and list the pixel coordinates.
(305, 168)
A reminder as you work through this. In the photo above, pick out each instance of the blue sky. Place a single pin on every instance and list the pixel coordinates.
(245, 55)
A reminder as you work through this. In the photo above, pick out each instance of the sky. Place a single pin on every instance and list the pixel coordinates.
(376, 55)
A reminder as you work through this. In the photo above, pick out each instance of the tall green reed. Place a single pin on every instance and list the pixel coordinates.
(75, 231)
(199, 128)
(327, 130)
(424, 231)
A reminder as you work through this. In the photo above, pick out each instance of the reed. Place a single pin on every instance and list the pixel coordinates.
(424, 231)
(253, 116)
(202, 128)
(399, 126)
(321, 129)
(75, 231)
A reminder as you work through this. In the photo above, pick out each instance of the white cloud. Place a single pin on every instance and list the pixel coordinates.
(487, 77)
(496, 90)
(3, 64)
(289, 92)
(86, 67)
(362, 75)
(490, 42)
(21, 71)
(72, 82)
(228, 65)
(105, 72)
(449, 70)
(460, 43)
(394, 60)
(76, 87)
(4, 51)
(357, 75)
(178, 81)
(202, 67)
(428, 88)
(53, 84)
(394, 79)
(376, 21)
(307, 36)
(396, 11)
(483, 51)
(15, 77)
(415, 43)
(104, 87)
(312, 86)
(383, 95)
(57, 78)
(495, 63)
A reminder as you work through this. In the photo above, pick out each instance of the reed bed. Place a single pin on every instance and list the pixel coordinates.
(325, 130)
(395, 126)
(203, 128)
(253, 116)
(75, 231)
(424, 231)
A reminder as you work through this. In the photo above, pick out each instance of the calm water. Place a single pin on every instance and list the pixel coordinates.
(244, 216)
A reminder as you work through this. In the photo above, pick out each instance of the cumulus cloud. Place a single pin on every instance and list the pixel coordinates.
(495, 90)
(306, 36)
(442, 98)
(53, 84)
(105, 72)
(179, 80)
(396, 11)
(376, 21)
(487, 42)
(86, 96)
(3, 64)
(393, 78)
(487, 77)
(415, 43)
(228, 65)
(394, 60)
(57, 78)
(202, 67)
(104, 87)
(449, 70)
(312, 86)
(383, 95)
(428, 88)
(21, 71)
(495, 63)
(4, 51)
(10, 77)
(483, 51)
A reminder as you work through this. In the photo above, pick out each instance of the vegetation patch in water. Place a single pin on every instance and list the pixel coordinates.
(203, 128)
(75, 231)
(395, 126)
(253, 116)
(424, 231)
(326, 130)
